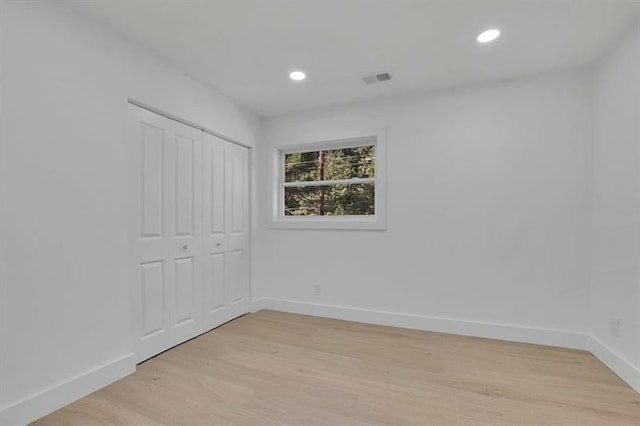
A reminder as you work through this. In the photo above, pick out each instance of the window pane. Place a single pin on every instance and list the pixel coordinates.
(334, 200)
(343, 163)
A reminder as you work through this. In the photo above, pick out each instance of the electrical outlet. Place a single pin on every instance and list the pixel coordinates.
(615, 327)
(317, 290)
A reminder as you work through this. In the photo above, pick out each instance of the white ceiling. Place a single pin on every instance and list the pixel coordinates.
(246, 48)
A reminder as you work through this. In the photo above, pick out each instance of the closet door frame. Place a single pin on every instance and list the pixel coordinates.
(133, 214)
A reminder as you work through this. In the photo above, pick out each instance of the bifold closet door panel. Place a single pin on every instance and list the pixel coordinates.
(149, 204)
(185, 212)
(226, 222)
(216, 310)
(237, 225)
(166, 227)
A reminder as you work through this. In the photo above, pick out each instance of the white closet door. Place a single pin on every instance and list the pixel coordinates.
(237, 224)
(226, 224)
(166, 204)
(215, 303)
(185, 247)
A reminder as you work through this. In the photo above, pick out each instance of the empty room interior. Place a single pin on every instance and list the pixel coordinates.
(320, 212)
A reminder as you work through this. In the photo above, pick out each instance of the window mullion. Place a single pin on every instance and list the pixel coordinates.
(300, 184)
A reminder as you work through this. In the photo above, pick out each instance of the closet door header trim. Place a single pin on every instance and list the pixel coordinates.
(186, 122)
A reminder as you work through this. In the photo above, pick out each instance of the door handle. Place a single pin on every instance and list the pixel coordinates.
(184, 247)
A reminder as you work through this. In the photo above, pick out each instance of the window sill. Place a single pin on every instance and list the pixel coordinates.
(333, 222)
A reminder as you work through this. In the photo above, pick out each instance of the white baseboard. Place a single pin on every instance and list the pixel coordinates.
(616, 362)
(55, 397)
(256, 305)
(514, 333)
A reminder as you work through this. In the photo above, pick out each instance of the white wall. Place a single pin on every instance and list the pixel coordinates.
(615, 287)
(66, 296)
(488, 214)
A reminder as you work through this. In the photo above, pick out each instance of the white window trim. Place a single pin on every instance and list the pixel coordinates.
(378, 221)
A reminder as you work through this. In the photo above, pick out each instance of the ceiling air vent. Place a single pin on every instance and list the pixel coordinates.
(377, 78)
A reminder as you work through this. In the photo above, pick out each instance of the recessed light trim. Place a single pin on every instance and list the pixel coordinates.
(297, 75)
(488, 35)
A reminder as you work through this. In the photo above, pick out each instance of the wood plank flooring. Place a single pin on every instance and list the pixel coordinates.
(274, 368)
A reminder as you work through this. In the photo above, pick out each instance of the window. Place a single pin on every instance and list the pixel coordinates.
(335, 184)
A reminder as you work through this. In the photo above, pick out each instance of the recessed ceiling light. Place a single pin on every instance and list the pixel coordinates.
(297, 75)
(489, 35)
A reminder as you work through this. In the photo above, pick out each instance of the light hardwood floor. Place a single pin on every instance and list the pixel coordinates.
(274, 368)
